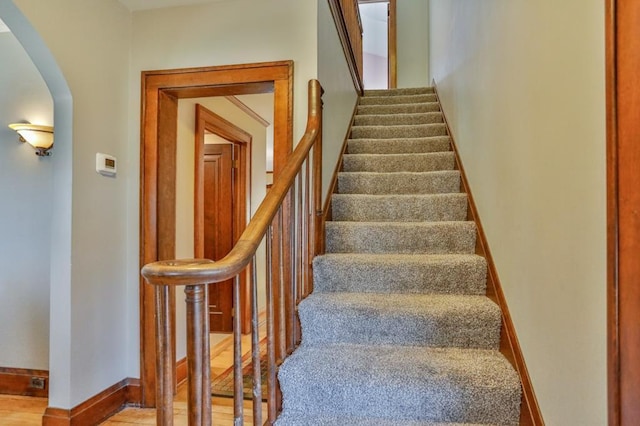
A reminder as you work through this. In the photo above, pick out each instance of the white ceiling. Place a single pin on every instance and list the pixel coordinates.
(134, 5)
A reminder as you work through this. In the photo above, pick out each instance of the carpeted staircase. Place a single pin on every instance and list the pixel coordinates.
(398, 330)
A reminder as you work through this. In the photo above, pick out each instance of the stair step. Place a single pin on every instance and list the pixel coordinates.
(399, 183)
(403, 91)
(395, 132)
(436, 320)
(382, 163)
(287, 419)
(397, 208)
(399, 99)
(399, 146)
(397, 119)
(403, 238)
(401, 383)
(400, 273)
(398, 108)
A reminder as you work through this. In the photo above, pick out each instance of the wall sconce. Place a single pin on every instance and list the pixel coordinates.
(40, 137)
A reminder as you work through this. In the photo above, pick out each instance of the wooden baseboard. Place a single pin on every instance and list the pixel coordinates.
(97, 408)
(530, 414)
(22, 381)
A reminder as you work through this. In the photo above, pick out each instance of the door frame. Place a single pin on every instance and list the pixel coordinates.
(207, 120)
(623, 203)
(392, 40)
(160, 91)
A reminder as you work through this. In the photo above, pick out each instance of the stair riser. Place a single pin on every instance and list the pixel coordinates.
(476, 325)
(401, 183)
(401, 99)
(398, 119)
(400, 92)
(399, 146)
(431, 238)
(436, 161)
(398, 108)
(398, 209)
(395, 132)
(450, 275)
(388, 384)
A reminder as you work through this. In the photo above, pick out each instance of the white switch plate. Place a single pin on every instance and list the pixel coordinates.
(106, 164)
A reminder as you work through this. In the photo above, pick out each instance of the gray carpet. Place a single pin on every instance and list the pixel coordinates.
(398, 330)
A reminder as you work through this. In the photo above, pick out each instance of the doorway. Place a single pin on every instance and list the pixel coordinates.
(223, 168)
(160, 93)
(379, 56)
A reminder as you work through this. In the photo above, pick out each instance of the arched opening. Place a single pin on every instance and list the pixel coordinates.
(59, 235)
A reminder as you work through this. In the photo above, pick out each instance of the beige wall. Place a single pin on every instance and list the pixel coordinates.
(339, 96)
(523, 86)
(413, 43)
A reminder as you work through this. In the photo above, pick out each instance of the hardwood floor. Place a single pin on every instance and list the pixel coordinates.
(26, 411)
(21, 410)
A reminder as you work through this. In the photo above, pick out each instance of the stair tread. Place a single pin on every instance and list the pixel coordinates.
(401, 108)
(399, 131)
(422, 162)
(440, 181)
(398, 99)
(399, 207)
(407, 273)
(399, 91)
(439, 320)
(399, 146)
(287, 419)
(401, 382)
(413, 118)
(401, 237)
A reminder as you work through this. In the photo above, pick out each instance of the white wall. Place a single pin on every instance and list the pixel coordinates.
(25, 216)
(89, 317)
(522, 84)
(339, 97)
(413, 43)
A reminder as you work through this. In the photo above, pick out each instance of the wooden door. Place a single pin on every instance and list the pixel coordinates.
(218, 228)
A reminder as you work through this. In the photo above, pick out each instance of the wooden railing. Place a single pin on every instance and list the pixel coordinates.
(290, 220)
(346, 15)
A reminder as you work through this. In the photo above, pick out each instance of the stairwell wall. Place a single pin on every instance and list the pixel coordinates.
(522, 84)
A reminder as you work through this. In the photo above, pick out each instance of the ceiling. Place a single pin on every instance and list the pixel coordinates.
(134, 5)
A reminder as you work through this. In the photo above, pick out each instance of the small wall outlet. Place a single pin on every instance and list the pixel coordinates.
(37, 383)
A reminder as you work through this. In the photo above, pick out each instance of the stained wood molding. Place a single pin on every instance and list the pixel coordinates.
(18, 381)
(343, 34)
(97, 408)
(530, 414)
(623, 202)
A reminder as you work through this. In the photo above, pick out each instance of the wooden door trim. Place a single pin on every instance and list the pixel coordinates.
(623, 202)
(192, 83)
(392, 44)
(212, 122)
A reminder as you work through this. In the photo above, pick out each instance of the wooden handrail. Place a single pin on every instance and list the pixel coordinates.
(304, 230)
(203, 271)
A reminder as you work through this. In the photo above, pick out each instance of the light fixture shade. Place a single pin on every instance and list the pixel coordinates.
(40, 137)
